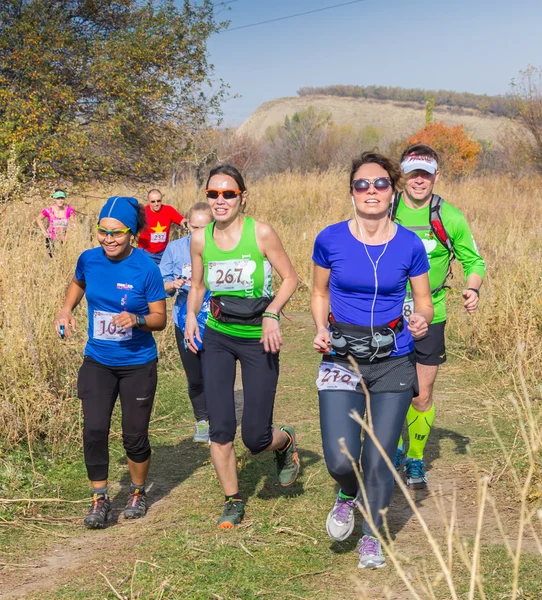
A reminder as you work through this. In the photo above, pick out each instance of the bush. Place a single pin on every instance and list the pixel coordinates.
(459, 153)
(309, 140)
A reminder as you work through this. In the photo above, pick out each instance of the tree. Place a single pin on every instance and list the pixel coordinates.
(526, 96)
(459, 153)
(297, 142)
(429, 110)
(94, 88)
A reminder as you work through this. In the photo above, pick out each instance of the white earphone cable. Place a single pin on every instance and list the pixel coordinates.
(375, 270)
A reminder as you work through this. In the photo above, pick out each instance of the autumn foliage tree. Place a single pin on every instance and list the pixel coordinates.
(103, 88)
(459, 153)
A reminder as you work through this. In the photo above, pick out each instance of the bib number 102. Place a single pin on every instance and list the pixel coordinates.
(108, 328)
(105, 329)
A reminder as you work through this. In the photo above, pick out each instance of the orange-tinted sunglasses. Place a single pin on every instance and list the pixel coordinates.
(226, 194)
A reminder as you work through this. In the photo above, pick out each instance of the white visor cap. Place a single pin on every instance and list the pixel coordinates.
(414, 162)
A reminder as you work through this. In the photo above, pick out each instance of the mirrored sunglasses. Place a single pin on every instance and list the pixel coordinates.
(362, 185)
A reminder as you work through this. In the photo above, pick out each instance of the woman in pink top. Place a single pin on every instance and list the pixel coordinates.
(58, 216)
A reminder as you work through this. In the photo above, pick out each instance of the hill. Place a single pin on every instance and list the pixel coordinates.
(394, 119)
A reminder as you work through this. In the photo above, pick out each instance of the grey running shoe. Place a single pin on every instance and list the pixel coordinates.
(202, 432)
(234, 511)
(99, 513)
(340, 520)
(370, 553)
(136, 506)
(415, 474)
(288, 461)
(400, 457)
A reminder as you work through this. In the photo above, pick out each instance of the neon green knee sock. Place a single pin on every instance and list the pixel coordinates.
(419, 427)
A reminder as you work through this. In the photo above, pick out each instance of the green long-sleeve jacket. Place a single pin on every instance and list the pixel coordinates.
(466, 252)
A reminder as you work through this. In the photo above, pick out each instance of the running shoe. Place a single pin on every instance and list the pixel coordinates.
(136, 506)
(288, 460)
(202, 432)
(400, 457)
(414, 474)
(234, 511)
(99, 513)
(340, 520)
(370, 553)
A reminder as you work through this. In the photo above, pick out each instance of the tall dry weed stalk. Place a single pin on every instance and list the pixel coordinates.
(456, 548)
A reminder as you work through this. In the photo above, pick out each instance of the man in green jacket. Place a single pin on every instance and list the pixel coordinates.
(412, 209)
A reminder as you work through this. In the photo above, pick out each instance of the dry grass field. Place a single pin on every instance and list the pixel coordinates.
(395, 120)
(477, 535)
(37, 372)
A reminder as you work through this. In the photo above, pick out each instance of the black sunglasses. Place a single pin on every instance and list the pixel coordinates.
(362, 185)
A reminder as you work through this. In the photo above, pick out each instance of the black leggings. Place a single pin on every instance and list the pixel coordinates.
(260, 372)
(388, 410)
(98, 387)
(192, 368)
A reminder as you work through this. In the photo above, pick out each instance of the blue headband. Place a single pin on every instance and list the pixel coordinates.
(122, 208)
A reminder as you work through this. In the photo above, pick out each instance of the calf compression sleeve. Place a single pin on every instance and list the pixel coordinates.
(419, 427)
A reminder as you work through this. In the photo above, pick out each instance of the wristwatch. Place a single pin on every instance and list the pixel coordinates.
(140, 321)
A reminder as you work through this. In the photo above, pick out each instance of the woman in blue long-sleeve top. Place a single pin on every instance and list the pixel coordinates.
(176, 269)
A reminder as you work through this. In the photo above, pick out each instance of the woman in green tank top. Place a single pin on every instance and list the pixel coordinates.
(234, 258)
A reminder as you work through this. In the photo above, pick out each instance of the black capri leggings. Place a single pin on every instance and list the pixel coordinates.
(98, 387)
(192, 368)
(260, 372)
(388, 410)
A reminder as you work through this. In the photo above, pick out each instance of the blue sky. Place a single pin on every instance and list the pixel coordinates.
(464, 45)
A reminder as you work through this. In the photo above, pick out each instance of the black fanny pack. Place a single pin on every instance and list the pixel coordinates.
(241, 311)
(364, 343)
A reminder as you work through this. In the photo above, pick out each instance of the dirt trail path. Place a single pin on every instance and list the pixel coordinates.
(451, 471)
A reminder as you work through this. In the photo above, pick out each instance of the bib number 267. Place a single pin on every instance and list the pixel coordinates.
(230, 275)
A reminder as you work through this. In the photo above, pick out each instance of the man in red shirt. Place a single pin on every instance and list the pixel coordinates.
(154, 238)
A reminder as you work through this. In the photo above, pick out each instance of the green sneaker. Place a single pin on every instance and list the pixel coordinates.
(288, 461)
(234, 511)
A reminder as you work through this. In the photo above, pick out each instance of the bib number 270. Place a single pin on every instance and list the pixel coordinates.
(332, 376)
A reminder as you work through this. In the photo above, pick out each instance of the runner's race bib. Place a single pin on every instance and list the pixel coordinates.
(157, 238)
(408, 307)
(105, 329)
(332, 376)
(230, 275)
(186, 273)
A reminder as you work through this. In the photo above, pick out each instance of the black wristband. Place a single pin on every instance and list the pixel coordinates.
(475, 290)
(271, 315)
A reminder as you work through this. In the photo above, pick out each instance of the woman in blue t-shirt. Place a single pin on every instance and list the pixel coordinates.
(361, 270)
(176, 269)
(126, 303)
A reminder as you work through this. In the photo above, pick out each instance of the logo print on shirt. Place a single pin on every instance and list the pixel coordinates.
(430, 245)
(125, 286)
(159, 228)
